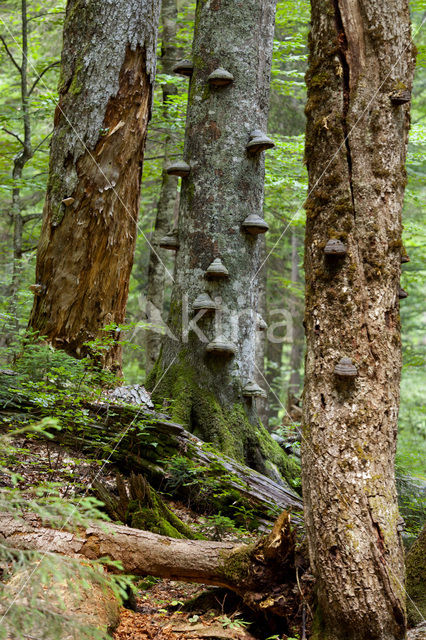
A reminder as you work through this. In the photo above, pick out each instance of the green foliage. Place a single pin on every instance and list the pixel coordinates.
(209, 490)
(41, 571)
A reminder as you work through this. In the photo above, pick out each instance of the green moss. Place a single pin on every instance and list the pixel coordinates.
(153, 515)
(237, 565)
(227, 427)
(416, 580)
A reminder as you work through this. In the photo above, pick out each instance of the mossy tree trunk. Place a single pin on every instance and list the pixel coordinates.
(86, 247)
(361, 60)
(167, 199)
(225, 184)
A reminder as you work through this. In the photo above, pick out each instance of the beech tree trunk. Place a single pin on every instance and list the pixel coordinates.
(224, 185)
(86, 247)
(296, 352)
(263, 574)
(360, 68)
(166, 201)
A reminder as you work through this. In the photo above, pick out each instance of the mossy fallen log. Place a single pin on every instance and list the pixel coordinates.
(141, 440)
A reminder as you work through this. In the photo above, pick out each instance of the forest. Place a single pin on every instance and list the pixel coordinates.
(212, 340)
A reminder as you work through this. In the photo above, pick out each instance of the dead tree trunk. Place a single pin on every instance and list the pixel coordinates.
(263, 574)
(359, 82)
(87, 241)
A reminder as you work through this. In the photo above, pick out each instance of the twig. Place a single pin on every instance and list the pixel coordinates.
(42, 141)
(36, 81)
(10, 54)
(15, 135)
(31, 216)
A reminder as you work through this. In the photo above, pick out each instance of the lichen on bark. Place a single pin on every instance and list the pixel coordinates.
(225, 184)
(355, 151)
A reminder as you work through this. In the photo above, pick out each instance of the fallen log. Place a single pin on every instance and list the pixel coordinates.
(140, 439)
(262, 574)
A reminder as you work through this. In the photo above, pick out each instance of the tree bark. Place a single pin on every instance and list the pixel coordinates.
(166, 201)
(262, 403)
(87, 241)
(297, 332)
(263, 574)
(224, 185)
(356, 140)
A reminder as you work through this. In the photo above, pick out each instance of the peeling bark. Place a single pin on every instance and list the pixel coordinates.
(86, 247)
(356, 140)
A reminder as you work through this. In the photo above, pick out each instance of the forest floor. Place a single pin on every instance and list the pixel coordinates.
(164, 609)
(158, 617)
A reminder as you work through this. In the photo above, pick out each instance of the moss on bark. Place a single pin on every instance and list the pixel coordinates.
(228, 428)
(416, 580)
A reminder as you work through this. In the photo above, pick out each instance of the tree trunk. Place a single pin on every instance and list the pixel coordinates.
(224, 185)
(263, 574)
(262, 403)
(275, 342)
(166, 201)
(22, 157)
(360, 72)
(87, 241)
(297, 333)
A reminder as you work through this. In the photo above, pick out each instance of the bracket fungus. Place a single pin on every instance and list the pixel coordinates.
(220, 78)
(400, 97)
(335, 248)
(184, 68)
(170, 241)
(221, 346)
(254, 224)
(402, 294)
(252, 390)
(345, 368)
(217, 269)
(259, 142)
(404, 256)
(203, 302)
(261, 324)
(67, 201)
(179, 168)
(36, 289)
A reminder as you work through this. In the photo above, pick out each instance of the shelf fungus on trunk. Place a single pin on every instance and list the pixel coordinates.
(254, 224)
(222, 347)
(183, 68)
(345, 368)
(402, 294)
(37, 289)
(335, 248)
(203, 302)
(400, 97)
(170, 241)
(217, 270)
(404, 256)
(220, 78)
(68, 201)
(260, 323)
(179, 168)
(259, 142)
(252, 390)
